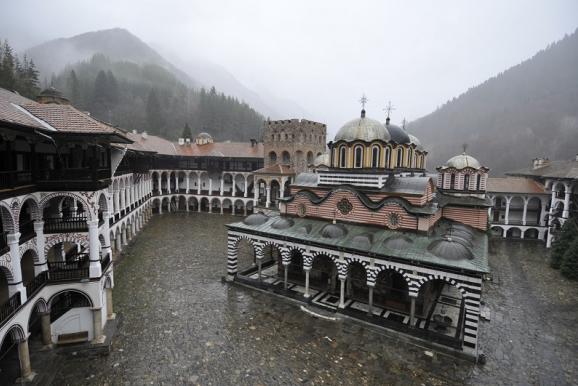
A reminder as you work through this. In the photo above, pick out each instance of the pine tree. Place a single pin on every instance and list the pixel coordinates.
(187, 133)
(99, 105)
(154, 114)
(73, 88)
(569, 266)
(7, 75)
(559, 247)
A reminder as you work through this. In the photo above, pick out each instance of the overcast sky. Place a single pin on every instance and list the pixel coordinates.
(323, 54)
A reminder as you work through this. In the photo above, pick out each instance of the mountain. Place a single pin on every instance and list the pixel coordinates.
(528, 111)
(116, 44)
(120, 45)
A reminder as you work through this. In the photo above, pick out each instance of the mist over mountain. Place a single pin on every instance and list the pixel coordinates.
(118, 44)
(528, 111)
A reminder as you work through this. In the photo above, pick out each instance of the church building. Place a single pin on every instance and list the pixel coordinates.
(371, 235)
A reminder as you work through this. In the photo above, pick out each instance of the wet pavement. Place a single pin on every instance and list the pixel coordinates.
(180, 324)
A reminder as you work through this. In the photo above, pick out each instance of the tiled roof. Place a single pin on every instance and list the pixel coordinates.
(276, 169)
(554, 169)
(10, 113)
(416, 251)
(514, 185)
(67, 119)
(163, 146)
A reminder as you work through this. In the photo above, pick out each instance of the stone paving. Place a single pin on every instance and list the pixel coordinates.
(181, 325)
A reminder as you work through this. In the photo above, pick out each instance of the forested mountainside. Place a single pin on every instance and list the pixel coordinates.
(149, 97)
(528, 111)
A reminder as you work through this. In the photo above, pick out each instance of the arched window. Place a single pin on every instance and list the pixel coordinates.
(342, 155)
(286, 157)
(410, 162)
(452, 181)
(467, 182)
(273, 157)
(387, 157)
(375, 157)
(478, 181)
(399, 157)
(358, 157)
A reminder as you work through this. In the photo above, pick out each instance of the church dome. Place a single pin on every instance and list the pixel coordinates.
(397, 134)
(282, 223)
(451, 248)
(463, 161)
(256, 219)
(333, 231)
(363, 129)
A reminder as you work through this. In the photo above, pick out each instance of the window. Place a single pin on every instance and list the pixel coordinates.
(273, 157)
(387, 157)
(358, 157)
(399, 157)
(452, 181)
(478, 182)
(375, 157)
(342, 153)
(467, 182)
(410, 158)
(286, 157)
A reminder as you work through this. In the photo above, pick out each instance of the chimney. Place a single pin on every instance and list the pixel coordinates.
(253, 142)
(144, 135)
(181, 141)
(188, 141)
(134, 132)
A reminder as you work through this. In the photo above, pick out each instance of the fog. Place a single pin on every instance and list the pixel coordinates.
(323, 55)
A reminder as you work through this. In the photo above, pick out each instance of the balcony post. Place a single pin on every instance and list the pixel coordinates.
(46, 329)
(246, 186)
(16, 285)
(106, 231)
(109, 308)
(95, 269)
(26, 373)
(97, 325)
(41, 266)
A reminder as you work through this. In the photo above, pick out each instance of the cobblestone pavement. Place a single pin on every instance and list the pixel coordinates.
(181, 325)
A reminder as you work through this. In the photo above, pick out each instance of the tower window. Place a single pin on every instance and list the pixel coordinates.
(375, 157)
(358, 156)
(452, 181)
(342, 160)
(467, 182)
(478, 182)
(387, 157)
(399, 157)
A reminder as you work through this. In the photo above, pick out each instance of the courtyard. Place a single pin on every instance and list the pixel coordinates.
(180, 324)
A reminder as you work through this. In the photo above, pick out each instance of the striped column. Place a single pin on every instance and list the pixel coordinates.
(232, 249)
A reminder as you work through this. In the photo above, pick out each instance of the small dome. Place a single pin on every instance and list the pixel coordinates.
(463, 161)
(451, 248)
(205, 135)
(322, 160)
(363, 129)
(256, 219)
(282, 223)
(399, 242)
(413, 139)
(333, 231)
(305, 229)
(397, 134)
(363, 241)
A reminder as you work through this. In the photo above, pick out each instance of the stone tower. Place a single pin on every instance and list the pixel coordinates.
(293, 142)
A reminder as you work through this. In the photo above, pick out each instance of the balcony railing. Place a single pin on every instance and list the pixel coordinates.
(73, 269)
(13, 178)
(65, 224)
(10, 307)
(36, 284)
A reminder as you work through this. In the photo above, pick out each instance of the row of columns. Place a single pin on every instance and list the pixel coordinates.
(308, 265)
(128, 195)
(526, 200)
(199, 183)
(268, 182)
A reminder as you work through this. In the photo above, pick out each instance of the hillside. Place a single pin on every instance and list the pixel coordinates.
(528, 111)
(149, 97)
(120, 45)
